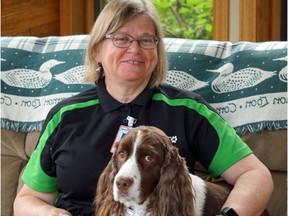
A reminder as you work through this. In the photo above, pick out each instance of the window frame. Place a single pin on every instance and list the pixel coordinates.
(259, 20)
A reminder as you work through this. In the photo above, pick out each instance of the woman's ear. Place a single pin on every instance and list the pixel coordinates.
(95, 52)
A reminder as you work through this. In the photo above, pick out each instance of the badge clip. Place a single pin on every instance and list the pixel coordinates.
(131, 121)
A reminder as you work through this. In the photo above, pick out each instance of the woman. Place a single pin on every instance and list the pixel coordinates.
(126, 59)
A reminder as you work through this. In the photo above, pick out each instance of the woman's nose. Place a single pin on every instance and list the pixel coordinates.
(135, 47)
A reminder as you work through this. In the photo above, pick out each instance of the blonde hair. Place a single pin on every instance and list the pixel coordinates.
(115, 14)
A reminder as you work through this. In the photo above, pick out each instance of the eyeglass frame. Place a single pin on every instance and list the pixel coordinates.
(111, 36)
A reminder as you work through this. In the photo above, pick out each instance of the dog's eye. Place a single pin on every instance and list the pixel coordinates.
(122, 154)
(148, 158)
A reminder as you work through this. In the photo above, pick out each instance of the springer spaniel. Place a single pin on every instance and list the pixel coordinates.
(146, 176)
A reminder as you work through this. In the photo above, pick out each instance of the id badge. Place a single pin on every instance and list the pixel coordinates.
(122, 131)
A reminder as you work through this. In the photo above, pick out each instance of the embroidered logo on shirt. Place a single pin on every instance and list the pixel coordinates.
(173, 139)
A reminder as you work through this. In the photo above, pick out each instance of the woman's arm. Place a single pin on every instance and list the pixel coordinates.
(31, 202)
(253, 186)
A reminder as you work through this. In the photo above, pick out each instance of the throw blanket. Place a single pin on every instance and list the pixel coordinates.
(37, 73)
(245, 82)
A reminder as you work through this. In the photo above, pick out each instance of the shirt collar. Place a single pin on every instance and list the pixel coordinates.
(109, 104)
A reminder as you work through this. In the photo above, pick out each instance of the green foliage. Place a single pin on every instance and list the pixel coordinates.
(186, 18)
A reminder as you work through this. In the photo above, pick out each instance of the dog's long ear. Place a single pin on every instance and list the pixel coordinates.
(104, 200)
(174, 195)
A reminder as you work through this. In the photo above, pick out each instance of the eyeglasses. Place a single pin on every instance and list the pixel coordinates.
(122, 40)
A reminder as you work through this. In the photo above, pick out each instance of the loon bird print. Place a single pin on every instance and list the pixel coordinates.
(241, 79)
(30, 79)
(74, 75)
(183, 80)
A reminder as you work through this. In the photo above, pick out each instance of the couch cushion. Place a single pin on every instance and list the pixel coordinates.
(278, 202)
(13, 144)
(270, 147)
(11, 168)
(31, 141)
(13, 159)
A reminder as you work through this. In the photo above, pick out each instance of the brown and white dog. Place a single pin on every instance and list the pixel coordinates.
(146, 176)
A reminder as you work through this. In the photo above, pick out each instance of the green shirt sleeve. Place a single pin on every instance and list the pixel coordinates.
(35, 177)
(231, 150)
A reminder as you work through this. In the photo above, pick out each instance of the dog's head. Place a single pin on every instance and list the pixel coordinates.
(140, 156)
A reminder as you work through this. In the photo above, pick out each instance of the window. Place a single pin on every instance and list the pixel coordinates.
(186, 18)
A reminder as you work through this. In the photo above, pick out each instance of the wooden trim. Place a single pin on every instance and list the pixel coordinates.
(89, 15)
(66, 17)
(264, 17)
(29, 18)
(221, 20)
(260, 20)
(76, 16)
(247, 17)
(276, 20)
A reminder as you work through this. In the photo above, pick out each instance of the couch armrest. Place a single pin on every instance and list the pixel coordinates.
(16, 148)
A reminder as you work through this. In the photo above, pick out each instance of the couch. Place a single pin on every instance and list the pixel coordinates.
(245, 82)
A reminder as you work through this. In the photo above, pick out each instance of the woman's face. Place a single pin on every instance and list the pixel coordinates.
(128, 65)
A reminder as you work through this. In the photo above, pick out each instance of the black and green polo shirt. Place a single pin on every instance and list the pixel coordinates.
(74, 146)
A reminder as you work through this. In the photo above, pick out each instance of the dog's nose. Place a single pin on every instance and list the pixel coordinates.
(124, 183)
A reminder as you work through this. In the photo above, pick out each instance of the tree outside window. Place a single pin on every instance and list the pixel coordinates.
(186, 18)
